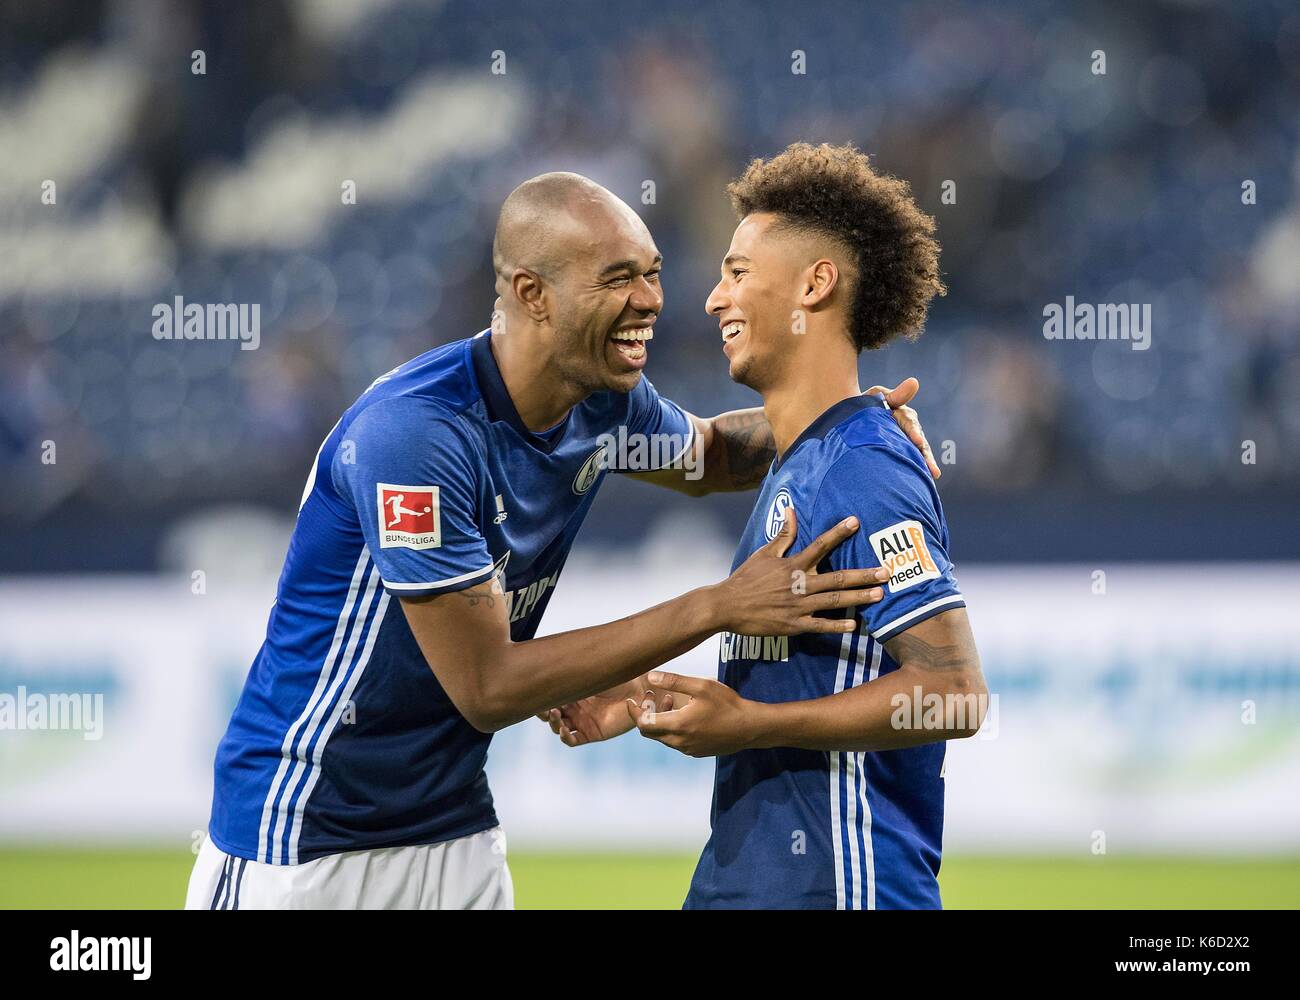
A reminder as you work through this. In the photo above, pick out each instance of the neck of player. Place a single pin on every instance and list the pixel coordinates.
(540, 399)
(816, 380)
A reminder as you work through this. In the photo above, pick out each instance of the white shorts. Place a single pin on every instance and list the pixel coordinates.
(465, 874)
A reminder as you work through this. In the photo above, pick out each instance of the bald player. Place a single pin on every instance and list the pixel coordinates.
(434, 526)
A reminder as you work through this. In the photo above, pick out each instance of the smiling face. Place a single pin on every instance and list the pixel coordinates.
(755, 302)
(607, 297)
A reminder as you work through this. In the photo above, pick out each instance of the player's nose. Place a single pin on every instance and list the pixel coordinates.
(647, 297)
(717, 302)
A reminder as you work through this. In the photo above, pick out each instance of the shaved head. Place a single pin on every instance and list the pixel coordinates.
(546, 219)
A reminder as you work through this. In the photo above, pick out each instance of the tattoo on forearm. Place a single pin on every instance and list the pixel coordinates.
(748, 446)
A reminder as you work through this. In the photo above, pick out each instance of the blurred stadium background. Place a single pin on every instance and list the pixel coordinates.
(1146, 749)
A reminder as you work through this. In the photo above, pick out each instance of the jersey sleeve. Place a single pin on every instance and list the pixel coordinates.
(411, 473)
(662, 421)
(901, 527)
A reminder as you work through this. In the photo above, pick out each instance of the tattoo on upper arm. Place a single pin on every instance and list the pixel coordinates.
(748, 445)
(473, 597)
(911, 649)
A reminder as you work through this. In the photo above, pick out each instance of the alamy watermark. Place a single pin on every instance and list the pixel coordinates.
(635, 452)
(75, 953)
(181, 320)
(930, 710)
(69, 712)
(1106, 321)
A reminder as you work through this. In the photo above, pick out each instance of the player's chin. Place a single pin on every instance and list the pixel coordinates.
(741, 372)
(622, 381)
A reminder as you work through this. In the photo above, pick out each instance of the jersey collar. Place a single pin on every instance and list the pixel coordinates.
(497, 398)
(837, 414)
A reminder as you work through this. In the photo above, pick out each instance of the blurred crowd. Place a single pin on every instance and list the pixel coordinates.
(163, 148)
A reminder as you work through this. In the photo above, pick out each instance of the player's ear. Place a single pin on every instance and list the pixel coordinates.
(820, 280)
(530, 291)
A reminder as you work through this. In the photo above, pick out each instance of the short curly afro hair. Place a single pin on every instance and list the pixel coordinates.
(833, 191)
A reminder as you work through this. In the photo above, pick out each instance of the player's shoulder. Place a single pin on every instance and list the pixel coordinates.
(868, 462)
(870, 441)
(423, 402)
(403, 419)
(436, 387)
(872, 427)
(438, 381)
(400, 439)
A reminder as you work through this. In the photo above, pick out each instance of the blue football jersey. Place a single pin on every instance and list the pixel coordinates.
(797, 829)
(342, 738)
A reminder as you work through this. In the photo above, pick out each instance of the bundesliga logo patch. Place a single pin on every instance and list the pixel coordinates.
(408, 517)
(901, 549)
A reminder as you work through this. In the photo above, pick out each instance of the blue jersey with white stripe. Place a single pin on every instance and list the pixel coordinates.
(343, 739)
(799, 829)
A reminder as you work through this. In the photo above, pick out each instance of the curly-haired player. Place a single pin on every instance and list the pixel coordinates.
(829, 785)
